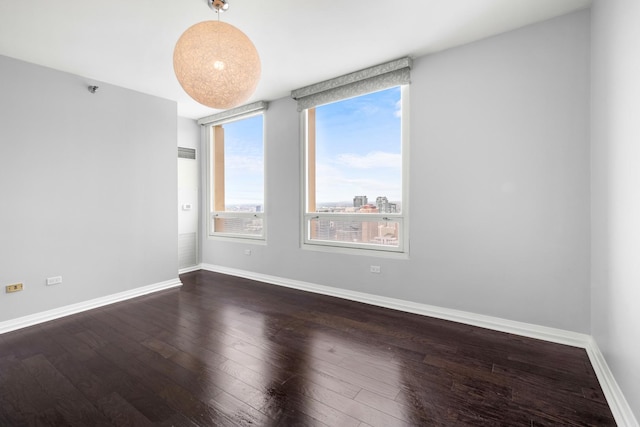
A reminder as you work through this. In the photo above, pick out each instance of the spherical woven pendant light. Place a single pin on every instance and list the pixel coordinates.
(216, 64)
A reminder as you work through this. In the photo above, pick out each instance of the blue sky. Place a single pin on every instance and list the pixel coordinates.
(357, 147)
(244, 162)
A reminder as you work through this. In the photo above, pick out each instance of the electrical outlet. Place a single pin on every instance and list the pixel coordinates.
(17, 287)
(54, 280)
(375, 269)
(247, 251)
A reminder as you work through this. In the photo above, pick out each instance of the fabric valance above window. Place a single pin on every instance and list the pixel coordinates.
(371, 79)
(232, 113)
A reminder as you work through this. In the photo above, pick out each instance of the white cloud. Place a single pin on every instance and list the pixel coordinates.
(247, 164)
(334, 185)
(372, 160)
(398, 111)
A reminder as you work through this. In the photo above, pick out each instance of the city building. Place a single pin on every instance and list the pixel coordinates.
(384, 206)
(359, 201)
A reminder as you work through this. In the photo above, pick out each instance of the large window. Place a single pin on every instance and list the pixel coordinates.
(237, 177)
(355, 169)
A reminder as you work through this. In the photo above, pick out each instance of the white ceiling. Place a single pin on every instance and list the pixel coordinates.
(130, 43)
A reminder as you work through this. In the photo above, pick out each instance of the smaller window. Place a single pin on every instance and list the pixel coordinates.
(237, 178)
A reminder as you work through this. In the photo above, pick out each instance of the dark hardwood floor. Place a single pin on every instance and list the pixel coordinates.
(225, 351)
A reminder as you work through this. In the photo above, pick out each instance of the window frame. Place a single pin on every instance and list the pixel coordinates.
(213, 213)
(401, 218)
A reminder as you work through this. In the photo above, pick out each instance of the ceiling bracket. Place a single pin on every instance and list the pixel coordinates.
(218, 5)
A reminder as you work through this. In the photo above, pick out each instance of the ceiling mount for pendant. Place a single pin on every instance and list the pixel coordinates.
(218, 5)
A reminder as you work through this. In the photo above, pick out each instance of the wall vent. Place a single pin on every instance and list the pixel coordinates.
(186, 153)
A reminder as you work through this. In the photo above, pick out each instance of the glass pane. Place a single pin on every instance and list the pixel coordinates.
(244, 165)
(352, 230)
(244, 226)
(359, 154)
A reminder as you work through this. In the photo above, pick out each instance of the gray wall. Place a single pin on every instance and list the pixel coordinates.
(499, 185)
(615, 191)
(188, 133)
(87, 187)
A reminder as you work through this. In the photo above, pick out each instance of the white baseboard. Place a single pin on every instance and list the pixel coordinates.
(45, 316)
(497, 324)
(618, 404)
(189, 269)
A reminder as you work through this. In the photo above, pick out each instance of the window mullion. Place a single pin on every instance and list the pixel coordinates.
(311, 160)
(218, 168)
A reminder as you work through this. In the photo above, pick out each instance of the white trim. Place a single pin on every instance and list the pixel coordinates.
(497, 324)
(45, 316)
(405, 141)
(612, 392)
(189, 269)
(615, 398)
(303, 117)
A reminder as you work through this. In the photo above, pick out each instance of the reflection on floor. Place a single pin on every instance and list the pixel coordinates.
(228, 351)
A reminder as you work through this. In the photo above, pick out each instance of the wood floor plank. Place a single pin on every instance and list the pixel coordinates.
(176, 396)
(555, 403)
(121, 413)
(327, 415)
(97, 378)
(148, 403)
(227, 351)
(70, 402)
(22, 398)
(238, 411)
(389, 406)
(354, 408)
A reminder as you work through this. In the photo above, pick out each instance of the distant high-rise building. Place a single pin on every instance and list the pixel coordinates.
(369, 228)
(348, 231)
(387, 235)
(323, 229)
(384, 206)
(359, 201)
